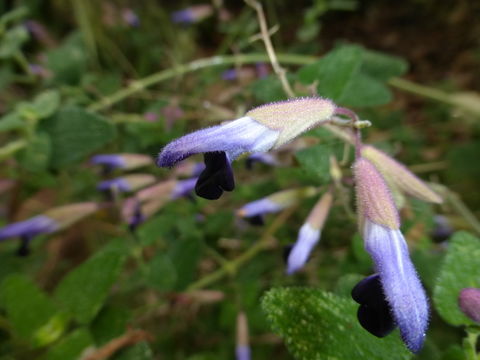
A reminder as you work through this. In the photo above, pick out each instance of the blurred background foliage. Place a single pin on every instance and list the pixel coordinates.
(83, 77)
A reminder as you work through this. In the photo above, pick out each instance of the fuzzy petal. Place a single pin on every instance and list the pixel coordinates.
(308, 237)
(234, 138)
(29, 228)
(402, 287)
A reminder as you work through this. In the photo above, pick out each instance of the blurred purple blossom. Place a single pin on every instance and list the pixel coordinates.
(130, 17)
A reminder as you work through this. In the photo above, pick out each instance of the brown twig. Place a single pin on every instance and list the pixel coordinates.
(265, 35)
(131, 337)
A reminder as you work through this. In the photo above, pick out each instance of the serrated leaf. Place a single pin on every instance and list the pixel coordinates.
(319, 325)
(71, 347)
(29, 310)
(333, 72)
(460, 269)
(82, 292)
(36, 156)
(76, 133)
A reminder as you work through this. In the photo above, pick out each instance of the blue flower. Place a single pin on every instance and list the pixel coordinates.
(261, 129)
(121, 161)
(402, 289)
(40, 224)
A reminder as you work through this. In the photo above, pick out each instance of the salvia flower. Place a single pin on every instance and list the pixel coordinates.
(51, 221)
(469, 302)
(130, 17)
(263, 158)
(192, 14)
(380, 226)
(309, 234)
(261, 129)
(242, 350)
(275, 203)
(399, 176)
(121, 161)
(127, 183)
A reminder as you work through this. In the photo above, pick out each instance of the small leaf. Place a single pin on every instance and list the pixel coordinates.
(46, 103)
(12, 41)
(315, 160)
(460, 270)
(109, 324)
(11, 121)
(83, 291)
(334, 71)
(35, 157)
(162, 274)
(269, 89)
(71, 347)
(29, 310)
(320, 325)
(364, 90)
(76, 133)
(140, 351)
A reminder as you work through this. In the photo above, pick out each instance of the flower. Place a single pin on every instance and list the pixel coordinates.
(264, 158)
(469, 302)
(274, 203)
(51, 221)
(130, 18)
(242, 350)
(126, 183)
(309, 234)
(380, 226)
(192, 14)
(121, 161)
(261, 129)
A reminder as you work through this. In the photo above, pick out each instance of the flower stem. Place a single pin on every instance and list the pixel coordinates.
(470, 344)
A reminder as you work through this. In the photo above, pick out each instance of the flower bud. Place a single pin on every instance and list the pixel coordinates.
(469, 302)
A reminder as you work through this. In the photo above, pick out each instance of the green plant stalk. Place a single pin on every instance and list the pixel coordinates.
(231, 267)
(470, 344)
(11, 148)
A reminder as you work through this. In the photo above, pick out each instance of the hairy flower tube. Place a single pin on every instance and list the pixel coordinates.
(121, 161)
(380, 227)
(262, 129)
(309, 234)
(127, 183)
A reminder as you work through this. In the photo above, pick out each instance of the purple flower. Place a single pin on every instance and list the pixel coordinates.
(130, 17)
(469, 302)
(126, 183)
(192, 14)
(309, 234)
(264, 158)
(40, 224)
(380, 227)
(261, 129)
(119, 184)
(229, 74)
(242, 350)
(121, 161)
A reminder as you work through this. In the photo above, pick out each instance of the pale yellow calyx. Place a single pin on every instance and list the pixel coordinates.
(398, 175)
(293, 117)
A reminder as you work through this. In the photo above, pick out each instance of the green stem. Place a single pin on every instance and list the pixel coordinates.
(11, 148)
(232, 266)
(470, 344)
(421, 90)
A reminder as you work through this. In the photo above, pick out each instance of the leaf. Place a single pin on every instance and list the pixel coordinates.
(12, 41)
(76, 133)
(319, 325)
(11, 121)
(459, 270)
(269, 89)
(83, 291)
(109, 324)
(162, 274)
(30, 311)
(364, 90)
(139, 351)
(382, 66)
(315, 160)
(334, 71)
(71, 347)
(36, 156)
(46, 103)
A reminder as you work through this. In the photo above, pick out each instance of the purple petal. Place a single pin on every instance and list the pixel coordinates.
(259, 207)
(234, 138)
(185, 16)
(402, 287)
(242, 352)
(183, 188)
(29, 228)
(264, 158)
(308, 237)
(119, 183)
(110, 160)
(469, 302)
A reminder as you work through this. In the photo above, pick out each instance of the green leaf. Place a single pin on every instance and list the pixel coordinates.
(319, 325)
(140, 351)
(30, 311)
(382, 66)
(13, 15)
(12, 41)
(46, 103)
(11, 121)
(36, 156)
(109, 324)
(162, 274)
(459, 270)
(83, 291)
(269, 89)
(315, 160)
(333, 72)
(71, 347)
(364, 90)
(76, 133)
